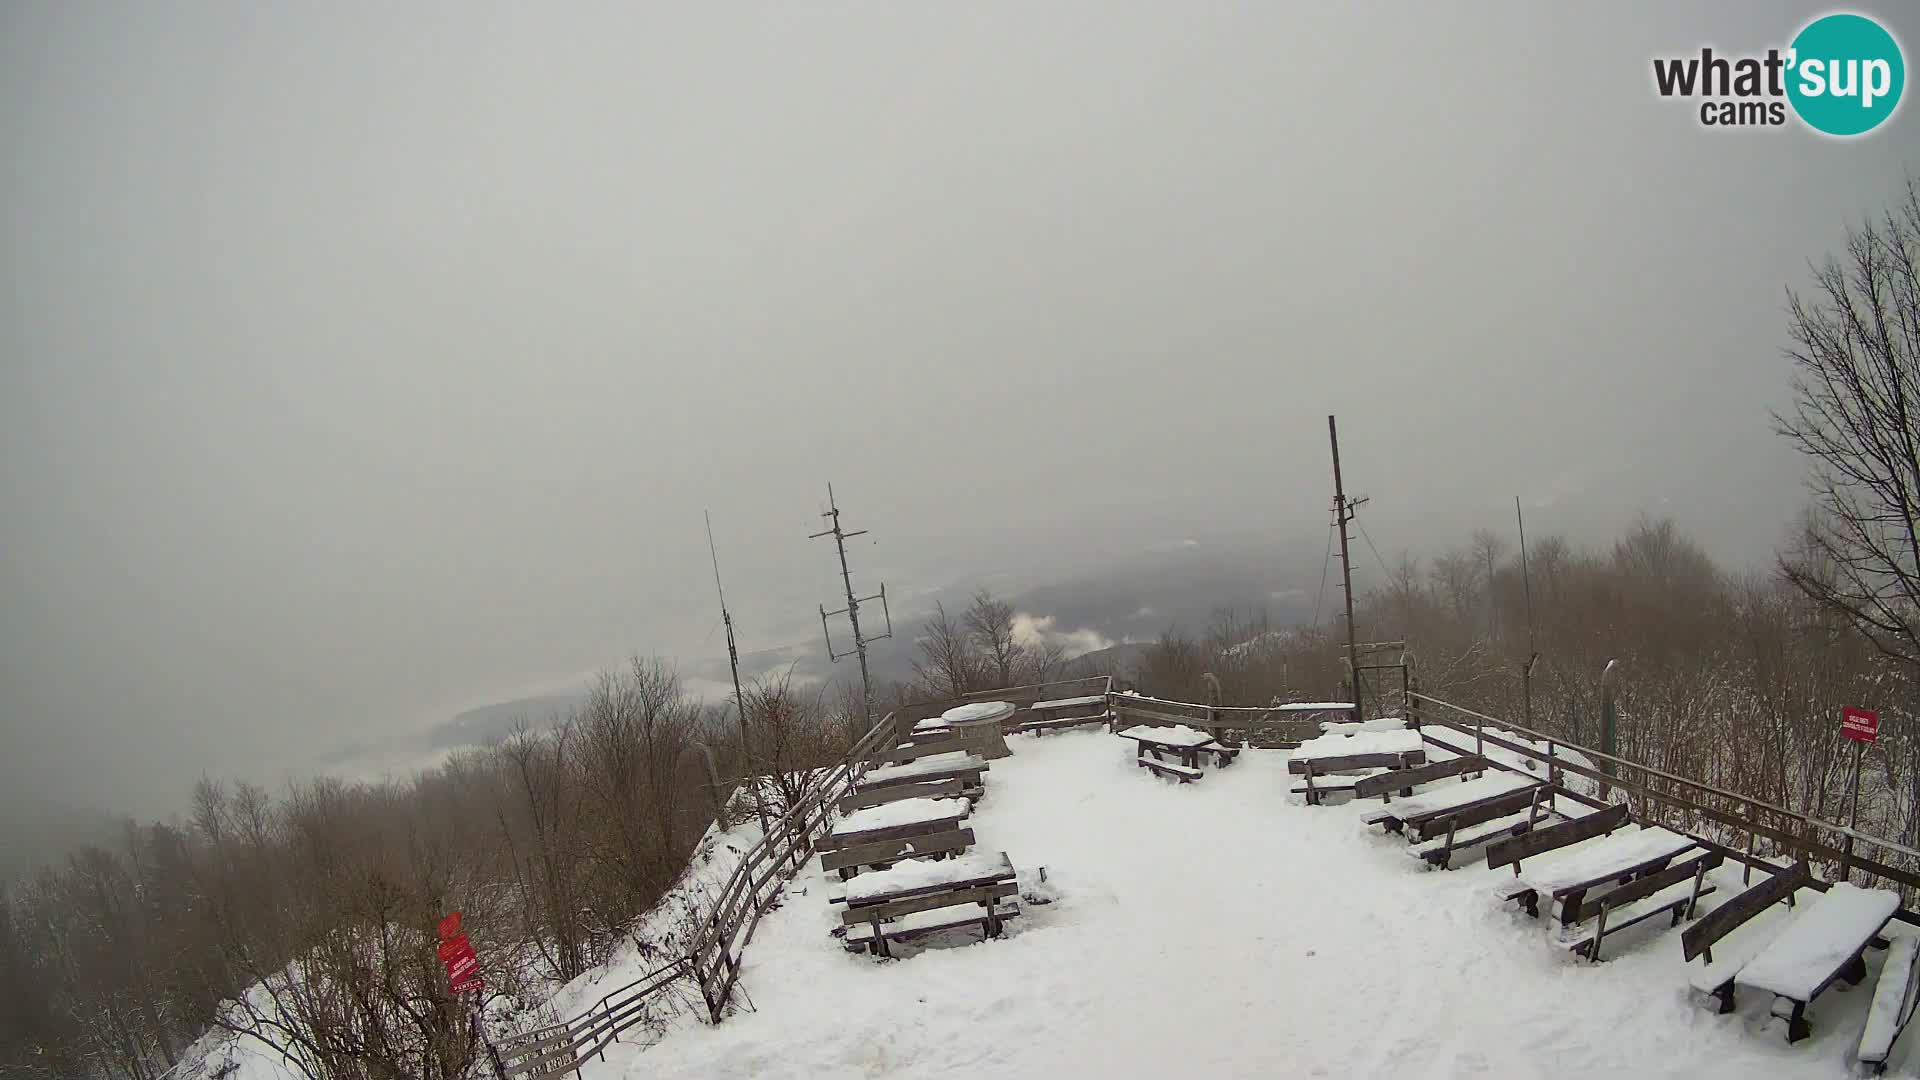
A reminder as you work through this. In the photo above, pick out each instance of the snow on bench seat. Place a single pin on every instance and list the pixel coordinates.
(1436, 850)
(1067, 703)
(1450, 796)
(954, 761)
(1893, 1003)
(1347, 727)
(905, 812)
(927, 922)
(1819, 942)
(1314, 706)
(1599, 858)
(1341, 744)
(919, 875)
(1178, 736)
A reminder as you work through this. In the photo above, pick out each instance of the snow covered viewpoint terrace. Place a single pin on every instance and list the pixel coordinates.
(1223, 929)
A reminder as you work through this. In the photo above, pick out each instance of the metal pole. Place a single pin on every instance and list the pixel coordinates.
(1340, 513)
(739, 700)
(852, 610)
(1609, 742)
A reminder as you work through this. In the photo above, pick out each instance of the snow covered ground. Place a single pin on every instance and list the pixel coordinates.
(1225, 929)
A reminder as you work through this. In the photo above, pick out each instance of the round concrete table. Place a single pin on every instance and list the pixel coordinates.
(977, 725)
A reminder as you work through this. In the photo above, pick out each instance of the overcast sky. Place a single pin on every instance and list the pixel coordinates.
(364, 362)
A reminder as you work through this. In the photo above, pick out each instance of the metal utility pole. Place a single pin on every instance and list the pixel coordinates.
(1343, 513)
(1533, 649)
(739, 700)
(852, 610)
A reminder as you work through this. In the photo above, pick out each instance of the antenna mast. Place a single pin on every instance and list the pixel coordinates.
(1343, 513)
(739, 700)
(852, 610)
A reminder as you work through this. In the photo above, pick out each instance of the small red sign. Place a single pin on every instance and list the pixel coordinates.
(456, 951)
(1860, 725)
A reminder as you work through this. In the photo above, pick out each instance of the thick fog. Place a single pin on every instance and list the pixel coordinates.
(365, 363)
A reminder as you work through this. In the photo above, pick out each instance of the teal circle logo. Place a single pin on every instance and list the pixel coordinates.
(1846, 74)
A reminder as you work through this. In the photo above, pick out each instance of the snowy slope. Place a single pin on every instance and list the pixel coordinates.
(1222, 929)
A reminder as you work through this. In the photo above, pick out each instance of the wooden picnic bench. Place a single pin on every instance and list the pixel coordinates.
(1566, 876)
(1894, 997)
(931, 768)
(1716, 980)
(1152, 743)
(1451, 807)
(1060, 714)
(895, 821)
(931, 746)
(1405, 780)
(883, 853)
(952, 788)
(1823, 945)
(913, 899)
(1541, 841)
(1675, 890)
(1322, 774)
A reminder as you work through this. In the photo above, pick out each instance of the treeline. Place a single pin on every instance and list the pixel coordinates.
(1736, 679)
(304, 922)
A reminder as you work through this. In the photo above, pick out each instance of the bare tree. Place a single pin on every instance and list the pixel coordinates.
(1856, 416)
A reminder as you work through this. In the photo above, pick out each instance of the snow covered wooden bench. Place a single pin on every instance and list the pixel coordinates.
(1541, 841)
(1152, 743)
(917, 897)
(1459, 837)
(1567, 875)
(1894, 998)
(1823, 945)
(1676, 890)
(1434, 812)
(1349, 749)
(1405, 780)
(951, 788)
(901, 820)
(921, 748)
(1715, 980)
(883, 853)
(953, 765)
(1060, 714)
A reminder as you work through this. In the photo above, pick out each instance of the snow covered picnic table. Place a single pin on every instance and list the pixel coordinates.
(1566, 875)
(954, 763)
(916, 877)
(1470, 802)
(1184, 742)
(1823, 944)
(897, 820)
(1344, 743)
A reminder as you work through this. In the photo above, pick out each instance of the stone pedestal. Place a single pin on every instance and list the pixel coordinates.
(977, 726)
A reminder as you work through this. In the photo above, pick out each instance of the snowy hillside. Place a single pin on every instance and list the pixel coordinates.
(1224, 929)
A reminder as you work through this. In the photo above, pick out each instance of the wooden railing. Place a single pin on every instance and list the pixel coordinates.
(712, 961)
(1742, 827)
(1272, 727)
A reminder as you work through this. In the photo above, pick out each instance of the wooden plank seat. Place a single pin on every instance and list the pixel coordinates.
(880, 796)
(1566, 876)
(921, 748)
(1179, 740)
(863, 937)
(883, 853)
(1894, 997)
(1182, 773)
(1715, 980)
(1420, 816)
(1065, 723)
(1439, 851)
(1541, 841)
(895, 821)
(1059, 714)
(955, 765)
(913, 887)
(1405, 780)
(1317, 784)
(1676, 890)
(915, 876)
(1824, 944)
